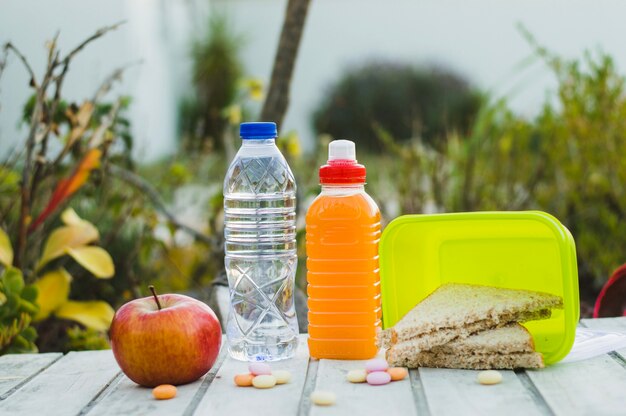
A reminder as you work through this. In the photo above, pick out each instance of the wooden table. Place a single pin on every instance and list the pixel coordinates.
(91, 383)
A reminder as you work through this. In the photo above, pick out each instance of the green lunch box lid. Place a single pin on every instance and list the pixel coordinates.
(528, 250)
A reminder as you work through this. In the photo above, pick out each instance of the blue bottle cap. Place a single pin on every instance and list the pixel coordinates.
(259, 131)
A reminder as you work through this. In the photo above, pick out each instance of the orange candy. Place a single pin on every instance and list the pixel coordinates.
(244, 380)
(164, 392)
(397, 373)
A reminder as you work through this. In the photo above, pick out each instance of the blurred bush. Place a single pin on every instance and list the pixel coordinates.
(403, 100)
(216, 74)
(78, 154)
(567, 161)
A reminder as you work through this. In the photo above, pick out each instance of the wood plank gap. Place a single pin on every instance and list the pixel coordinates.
(109, 386)
(304, 407)
(29, 378)
(208, 379)
(419, 396)
(534, 393)
(617, 357)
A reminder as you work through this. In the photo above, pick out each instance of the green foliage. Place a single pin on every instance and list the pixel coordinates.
(216, 75)
(17, 310)
(72, 144)
(404, 101)
(80, 339)
(567, 161)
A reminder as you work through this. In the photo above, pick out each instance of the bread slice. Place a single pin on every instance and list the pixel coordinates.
(509, 339)
(458, 310)
(473, 361)
(510, 346)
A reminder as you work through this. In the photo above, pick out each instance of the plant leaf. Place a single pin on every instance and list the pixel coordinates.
(53, 289)
(70, 236)
(30, 334)
(66, 187)
(93, 314)
(94, 259)
(80, 121)
(70, 217)
(6, 250)
(13, 280)
(28, 307)
(29, 293)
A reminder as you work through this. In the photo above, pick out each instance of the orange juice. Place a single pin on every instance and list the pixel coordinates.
(342, 234)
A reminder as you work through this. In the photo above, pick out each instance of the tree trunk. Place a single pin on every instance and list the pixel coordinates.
(277, 100)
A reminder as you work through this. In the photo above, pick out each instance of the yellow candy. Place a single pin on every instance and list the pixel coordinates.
(489, 377)
(356, 376)
(244, 380)
(282, 376)
(397, 373)
(323, 398)
(264, 381)
(164, 392)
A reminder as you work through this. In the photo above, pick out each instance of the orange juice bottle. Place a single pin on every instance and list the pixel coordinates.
(342, 234)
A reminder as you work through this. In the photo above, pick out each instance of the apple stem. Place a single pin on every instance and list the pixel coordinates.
(156, 298)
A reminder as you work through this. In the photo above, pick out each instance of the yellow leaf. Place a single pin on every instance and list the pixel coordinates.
(94, 259)
(70, 217)
(93, 314)
(63, 238)
(53, 290)
(6, 251)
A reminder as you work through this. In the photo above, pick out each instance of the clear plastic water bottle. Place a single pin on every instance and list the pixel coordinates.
(261, 259)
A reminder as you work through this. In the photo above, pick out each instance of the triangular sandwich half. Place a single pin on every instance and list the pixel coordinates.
(507, 347)
(458, 310)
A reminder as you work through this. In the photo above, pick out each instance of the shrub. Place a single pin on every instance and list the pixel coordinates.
(404, 101)
(567, 161)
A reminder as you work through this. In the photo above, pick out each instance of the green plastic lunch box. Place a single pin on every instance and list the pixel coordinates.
(528, 250)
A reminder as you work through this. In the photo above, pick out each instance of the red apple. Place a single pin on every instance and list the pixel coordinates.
(169, 339)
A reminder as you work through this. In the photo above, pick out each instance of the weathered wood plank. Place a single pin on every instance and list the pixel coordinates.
(16, 369)
(395, 398)
(128, 398)
(608, 324)
(65, 387)
(591, 387)
(224, 398)
(457, 392)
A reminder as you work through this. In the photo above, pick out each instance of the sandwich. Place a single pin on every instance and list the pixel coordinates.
(507, 347)
(456, 311)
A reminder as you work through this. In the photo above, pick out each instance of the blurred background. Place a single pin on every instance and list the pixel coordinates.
(454, 106)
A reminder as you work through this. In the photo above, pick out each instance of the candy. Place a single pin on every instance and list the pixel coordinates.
(356, 376)
(259, 369)
(323, 398)
(378, 378)
(264, 381)
(397, 373)
(282, 376)
(376, 364)
(164, 392)
(244, 380)
(489, 377)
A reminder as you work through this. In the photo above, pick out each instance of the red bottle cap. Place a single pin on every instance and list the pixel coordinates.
(342, 166)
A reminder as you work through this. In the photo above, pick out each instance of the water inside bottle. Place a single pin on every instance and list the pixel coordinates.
(261, 258)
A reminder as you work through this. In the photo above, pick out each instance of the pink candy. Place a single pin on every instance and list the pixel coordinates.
(259, 369)
(376, 364)
(377, 372)
(378, 378)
